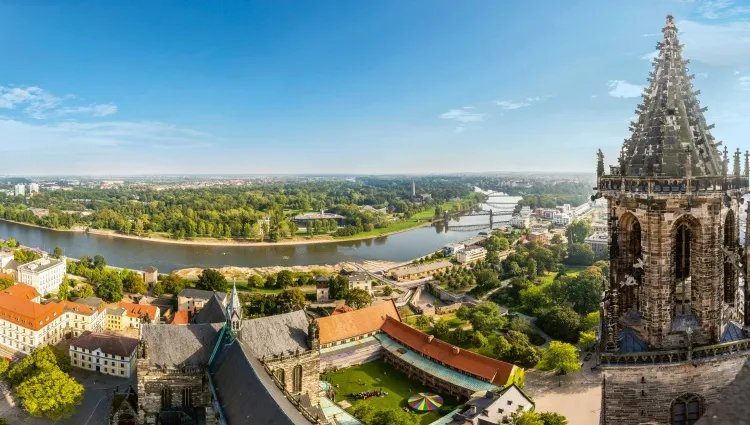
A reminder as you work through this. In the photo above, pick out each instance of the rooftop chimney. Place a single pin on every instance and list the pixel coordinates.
(456, 350)
(430, 338)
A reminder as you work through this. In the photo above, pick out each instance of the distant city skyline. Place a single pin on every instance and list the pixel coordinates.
(348, 88)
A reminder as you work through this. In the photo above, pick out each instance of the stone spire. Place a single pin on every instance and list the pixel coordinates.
(736, 168)
(234, 309)
(670, 120)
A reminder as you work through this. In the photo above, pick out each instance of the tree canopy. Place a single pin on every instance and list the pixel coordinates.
(212, 280)
(358, 298)
(561, 357)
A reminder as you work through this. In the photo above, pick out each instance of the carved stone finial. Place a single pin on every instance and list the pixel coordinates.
(599, 163)
(142, 349)
(736, 168)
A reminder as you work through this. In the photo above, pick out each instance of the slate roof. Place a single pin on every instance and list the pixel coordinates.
(731, 407)
(200, 294)
(247, 394)
(109, 344)
(630, 342)
(212, 312)
(170, 345)
(733, 332)
(354, 323)
(282, 333)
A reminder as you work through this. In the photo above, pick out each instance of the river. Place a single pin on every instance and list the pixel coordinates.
(139, 254)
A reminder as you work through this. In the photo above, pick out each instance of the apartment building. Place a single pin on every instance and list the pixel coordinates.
(471, 255)
(136, 313)
(104, 353)
(191, 299)
(25, 325)
(44, 274)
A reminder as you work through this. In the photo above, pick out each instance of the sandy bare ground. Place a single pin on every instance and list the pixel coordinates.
(244, 272)
(577, 396)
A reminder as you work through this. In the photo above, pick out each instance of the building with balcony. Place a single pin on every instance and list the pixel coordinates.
(471, 255)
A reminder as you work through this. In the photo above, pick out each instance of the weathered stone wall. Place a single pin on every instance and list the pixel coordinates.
(152, 382)
(637, 395)
(310, 363)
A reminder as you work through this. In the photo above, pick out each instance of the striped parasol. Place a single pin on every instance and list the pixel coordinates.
(425, 402)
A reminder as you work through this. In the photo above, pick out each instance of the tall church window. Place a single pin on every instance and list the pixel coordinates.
(280, 376)
(686, 410)
(729, 243)
(682, 255)
(297, 378)
(629, 253)
(187, 397)
(166, 398)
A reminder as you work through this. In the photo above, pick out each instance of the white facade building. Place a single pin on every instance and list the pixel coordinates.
(44, 274)
(469, 255)
(599, 243)
(109, 354)
(360, 280)
(34, 188)
(19, 190)
(561, 219)
(191, 299)
(453, 248)
(520, 221)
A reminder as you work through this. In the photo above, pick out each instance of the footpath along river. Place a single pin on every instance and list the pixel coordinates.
(139, 254)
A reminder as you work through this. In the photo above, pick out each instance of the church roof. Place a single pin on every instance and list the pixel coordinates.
(189, 345)
(279, 334)
(247, 394)
(733, 332)
(212, 312)
(630, 342)
(670, 120)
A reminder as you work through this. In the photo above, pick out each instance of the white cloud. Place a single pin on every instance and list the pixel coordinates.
(736, 72)
(38, 103)
(511, 105)
(462, 115)
(744, 82)
(723, 44)
(650, 56)
(715, 9)
(34, 136)
(621, 88)
(651, 35)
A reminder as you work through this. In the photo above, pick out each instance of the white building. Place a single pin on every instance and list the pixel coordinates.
(34, 188)
(598, 242)
(561, 219)
(44, 274)
(104, 353)
(191, 299)
(19, 190)
(582, 209)
(453, 248)
(469, 255)
(520, 221)
(526, 211)
(492, 407)
(360, 280)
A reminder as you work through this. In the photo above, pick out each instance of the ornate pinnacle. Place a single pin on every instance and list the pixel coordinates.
(726, 161)
(747, 163)
(599, 163)
(736, 168)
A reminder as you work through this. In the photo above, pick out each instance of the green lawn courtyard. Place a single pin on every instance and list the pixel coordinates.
(378, 375)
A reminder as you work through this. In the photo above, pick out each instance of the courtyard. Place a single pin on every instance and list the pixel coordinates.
(379, 376)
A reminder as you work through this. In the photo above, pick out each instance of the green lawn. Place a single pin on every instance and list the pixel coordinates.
(393, 227)
(243, 286)
(572, 272)
(378, 375)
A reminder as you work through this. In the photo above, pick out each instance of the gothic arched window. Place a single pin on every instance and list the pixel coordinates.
(629, 241)
(166, 398)
(730, 231)
(682, 249)
(187, 397)
(686, 409)
(280, 377)
(297, 379)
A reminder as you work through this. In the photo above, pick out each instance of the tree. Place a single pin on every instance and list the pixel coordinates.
(479, 340)
(134, 283)
(393, 417)
(110, 288)
(578, 231)
(526, 418)
(338, 287)
(580, 254)
(12, 243)
(284, 279)
(387, 291)
(255, 281)
(551, 418)
(41, 359)
(585, 291)
(591, 320)
(173, 284)
(6, 282)
(51, 393)
(531, 268)
(100, 262)
(586, 339)
(364, 412)
(422, 321)
(486, 317)
(290, 299)
(4, 364)
(63, 292)
(441, 328)
(561, 357)
(212, 280)
(562, 323)
(58, 252)
(358, 298)
(158, 289)
(86, 291)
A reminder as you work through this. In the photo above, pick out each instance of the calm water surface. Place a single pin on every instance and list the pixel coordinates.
(138, 254)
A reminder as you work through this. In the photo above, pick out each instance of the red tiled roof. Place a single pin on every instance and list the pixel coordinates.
(180, 318)
(343, 308)
(78, 307)
(354, 323)
(472, 363)
(26, 313)
(23, 291)
(138, 310)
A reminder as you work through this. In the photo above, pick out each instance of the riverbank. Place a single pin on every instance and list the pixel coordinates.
(242, 273)
(219, 242)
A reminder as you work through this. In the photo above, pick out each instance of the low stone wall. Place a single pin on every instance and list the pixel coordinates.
(448, 308)
(445, 295)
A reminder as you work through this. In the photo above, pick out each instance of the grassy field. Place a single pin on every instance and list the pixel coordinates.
(430, 212)
(396, 226)
(572, 271)
(379, 375)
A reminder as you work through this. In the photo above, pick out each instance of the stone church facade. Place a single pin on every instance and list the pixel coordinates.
(673, 330)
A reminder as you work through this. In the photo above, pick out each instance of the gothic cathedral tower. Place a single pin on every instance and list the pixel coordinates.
(673, 318)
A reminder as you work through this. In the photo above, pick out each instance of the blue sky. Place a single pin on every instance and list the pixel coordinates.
(90, 87)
